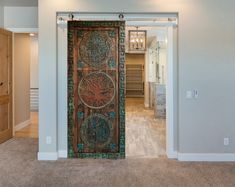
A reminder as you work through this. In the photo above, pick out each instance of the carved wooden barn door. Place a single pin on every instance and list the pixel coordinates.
(96, 100)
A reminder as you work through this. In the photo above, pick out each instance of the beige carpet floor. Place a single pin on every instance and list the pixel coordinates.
(19, 167)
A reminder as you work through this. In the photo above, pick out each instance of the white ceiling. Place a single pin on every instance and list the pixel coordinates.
(19, 3)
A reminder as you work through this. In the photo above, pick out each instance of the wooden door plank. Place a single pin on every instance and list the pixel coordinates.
(96, 90)
(6, 117)
(4, 99)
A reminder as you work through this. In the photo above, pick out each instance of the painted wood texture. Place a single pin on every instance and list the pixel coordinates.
(5, 85)
(96, 100)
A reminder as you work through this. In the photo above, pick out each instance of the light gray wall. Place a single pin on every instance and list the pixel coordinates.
(175, 88)
(20, 17)
(206, 53)
(1, 16)
(206, 62)
(21, 77)
(19, 2)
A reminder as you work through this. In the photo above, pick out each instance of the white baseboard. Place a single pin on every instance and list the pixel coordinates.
(47, 155)
(22, 125)
(62, 154)
(146, 105)
(172, 155)
(207, 157)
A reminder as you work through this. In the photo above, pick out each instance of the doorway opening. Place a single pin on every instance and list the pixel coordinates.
(145, 99)
(25, 81)
(146, 95)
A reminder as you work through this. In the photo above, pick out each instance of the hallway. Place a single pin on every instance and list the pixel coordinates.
(145, 135)
(31, 131)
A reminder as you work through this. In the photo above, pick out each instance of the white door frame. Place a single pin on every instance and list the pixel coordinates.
(171, 123)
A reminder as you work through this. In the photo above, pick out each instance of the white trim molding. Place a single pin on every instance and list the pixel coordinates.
(207, 157)
(13, 84)
(23, 30)
(146, 105)
(22, 125)
(62, 154)
(172, 155)
(132, 19)
(170, 95)
(47, 156)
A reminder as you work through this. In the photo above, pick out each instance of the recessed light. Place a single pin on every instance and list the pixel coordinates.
(31, 34)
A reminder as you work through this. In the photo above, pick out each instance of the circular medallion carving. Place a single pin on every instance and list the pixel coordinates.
(96, 131)
(94, 48)
(96, 90)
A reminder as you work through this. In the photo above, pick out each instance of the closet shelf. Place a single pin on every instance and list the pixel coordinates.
(134, 80)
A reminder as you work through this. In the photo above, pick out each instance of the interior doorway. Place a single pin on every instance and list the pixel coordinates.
(26, 87)
(169, 22)
(146, 93)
